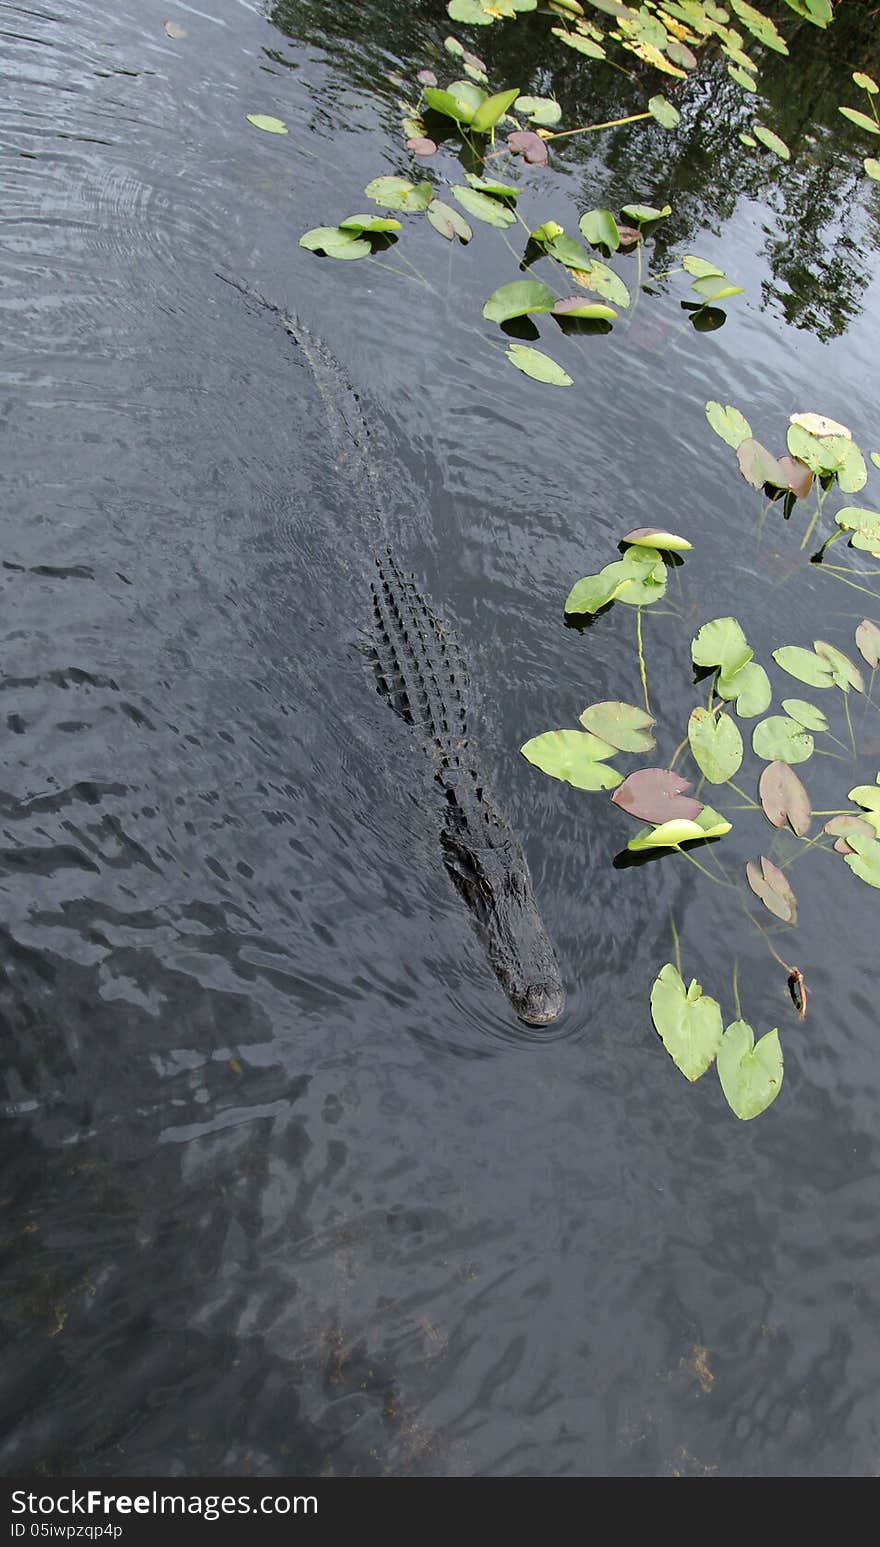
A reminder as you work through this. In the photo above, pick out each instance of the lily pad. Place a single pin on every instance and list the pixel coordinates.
(657, 795)
(784, 798)
(750, 687)
(483, 207)
(844, 671)
(492, 186)
(742, 77)
(861, 120)
(575, 757)
(400, 193)
(867, 795)
(771, 886)
(806, 714)
(666, 115)
(545, 111)
(579, 43)
(864, 862)
(772, 142)
(518, 299)
(758, 466)
(716, 744)
(866, 82)
(372, 223)
(534, 363)
(868, 641)
(529, 145)
(267, 123)
(760, 26)
(421, 145)
(729, 423)
(721, 643)
(658, 537)
(494, 107)
(644, 214)
(780, 739)
(335, 242)
(625, 726)
(599, 228)
(672, 834)
(688, 1022)
(820, 425)
(448, 221)
(865, 524)
(805, 665)
(712, 288)
(872, 167)
(750, 1073)
(593, 274)
(579, 306)
(701, 268)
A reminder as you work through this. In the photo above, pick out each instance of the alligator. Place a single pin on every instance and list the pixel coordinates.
(419, 669)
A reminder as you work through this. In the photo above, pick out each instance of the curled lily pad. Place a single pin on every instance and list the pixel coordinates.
(518, 299)
(599, 228)
(448, 221)
(771, 885)
(494, 107)
(712, 288)
(868, 641)
(749, 687)
(721, 643)
(750, 1073)
(729, 423)
(758, 466)
(780, 739)
(672, 834)
(820, 425)
(807, 715)
(267, 123)
(529, 145)
(800, 478)
(864, 862)
(575, 757)
(639, 578)
(784, 798)
(658, 537)
(625, 726)
(657, 795)
(534, 363)
(579, 306)
(845, 673)
(716, 745)
(805, 665)
(866, 82)
(378, 224)
(687, 1021)
(492, 186)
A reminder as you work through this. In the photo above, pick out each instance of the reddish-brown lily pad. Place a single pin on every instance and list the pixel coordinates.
(657, 795)
(772, 886)
(420, 145)
(800, 479)
(784, 799)
(529, 145)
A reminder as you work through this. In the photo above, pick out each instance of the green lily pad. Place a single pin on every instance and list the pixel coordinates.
(645, 574)
(491, 186)
(658, 537)
(742, 77)
(844, 671)
(644, 214)
(267, 123)
(806, 714)
(335, 242)
(666, 115)
(821, 453)
(448, 221)
(688, 1022)
(400, 193)
(494, 107)
(872, 167)
(852, 474)
(750, 687)
(866, 82)
(721, 643)
(760, 26)
(780, 739)
(772, 142)
(867, 795)
(805, 665)
(864, 862)
(579, 306)
(595, 275)
(861, 120)
(534, 363)
(750, 1073)
(626, 727)
(729, 423)
(599, 228)
(581, 44)
(865, 524)
(483, 207)
(372, 223)
(518, 299)
(672, 834)
(575, 757)
(711, 289)
(701, 268)
(545, 111)
(716, 745)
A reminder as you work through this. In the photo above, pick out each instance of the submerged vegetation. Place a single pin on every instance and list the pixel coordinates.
(476, 153)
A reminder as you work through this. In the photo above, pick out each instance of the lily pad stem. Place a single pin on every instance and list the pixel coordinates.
(642, 669)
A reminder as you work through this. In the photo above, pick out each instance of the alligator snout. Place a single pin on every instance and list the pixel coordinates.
(540, 1004)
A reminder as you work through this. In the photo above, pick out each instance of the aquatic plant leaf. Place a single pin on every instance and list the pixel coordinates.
(494, 107)
(664, 112)
(760, 26)
(688, 1022)
(750, 687)
(866, 82)
(539, 110)
(470, 12)
(579, 306)
(742, 77)
(784, 799)
(599, 228)
(529, 145)
(868, 642)
(864, 862)
(657, 537)
(819, 425)
(721, 643)
(545, 234)
(625, 726)
(714, 289)
(448, 221)
(591, 272)
(575, 757)
(426, 78)
(749, 140)
(805, 665)
(267, 123)
(643, 214)
(867, 795)
(772, 142)
(532, 362)
(864, 523)
(645, 575)
(758, 466)
(564, 248)
(716, 744)
(592, 592)
(421, 145)
(576, 40)
(491, 186)
(771, 886)
(518, 299)
(400, 193)
(701, 268)
(817, 11)
(781, 739)
(861, 120)
(335, 242)
(872, 167)
(657, 795)
(845, 673)
(372, 223)
(483, 207)
(750, 1073)
(841, 828)
(800, 478)
(729, 423)
(807, 715)
(672, 834)
(459, 101)
(875, 458)
(852, 474)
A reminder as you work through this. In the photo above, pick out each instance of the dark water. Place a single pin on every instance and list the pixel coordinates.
(287, 1190)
